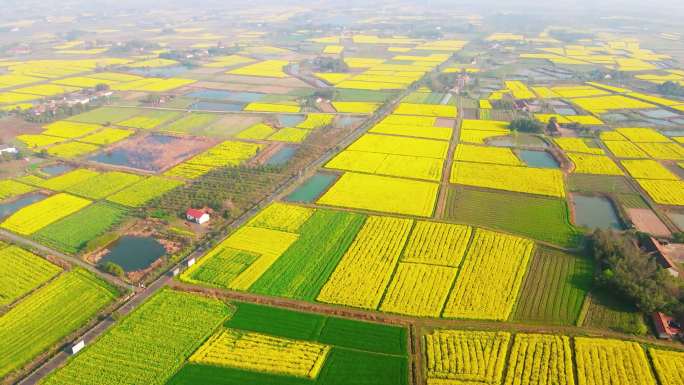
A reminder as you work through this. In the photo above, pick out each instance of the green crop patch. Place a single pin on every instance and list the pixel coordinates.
(541, 218)
(305, 267)
(73, 233)
(555, 288)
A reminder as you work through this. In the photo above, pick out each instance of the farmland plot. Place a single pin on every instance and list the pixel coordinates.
(34, 217)
(22, 272)
(621, 362)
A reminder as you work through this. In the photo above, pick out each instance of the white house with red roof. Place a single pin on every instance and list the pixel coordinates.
(197, 216)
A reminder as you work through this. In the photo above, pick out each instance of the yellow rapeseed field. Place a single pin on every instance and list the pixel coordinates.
(398, 145)
(578, 145)
(482, 154)
(490, 277)
(384, 194)
(34, 217)
(668, 365)
(621, 362)
(665, 192)
(360, 279)
(624, 149)
(540, 359)
(511, 178)
(262, 353)
(465, 357)
(648, 169)
(437, 243)
(418, 289)
(387, 164)
(593, 164)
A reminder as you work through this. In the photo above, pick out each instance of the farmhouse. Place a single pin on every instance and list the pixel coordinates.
(197, 216)
(665, 326)
(662, 256)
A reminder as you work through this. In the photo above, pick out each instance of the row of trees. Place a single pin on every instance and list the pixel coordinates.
(635, 275)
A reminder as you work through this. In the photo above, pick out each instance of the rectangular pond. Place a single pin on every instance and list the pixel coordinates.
(282, 156)
(216, 106)
(312, 188)
(243, 97)
(56, 169)
(595, 212)
(134, 253)
(539, 159)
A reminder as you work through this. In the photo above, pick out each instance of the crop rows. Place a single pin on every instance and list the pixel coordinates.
(32, 218)
(22, 272)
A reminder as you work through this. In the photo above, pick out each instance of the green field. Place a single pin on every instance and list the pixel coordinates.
(106, 115)
(599, 183)
(305, 267)
(351, 95)
(554, 288)
(49, 314)
(631, 201)
(541, 218)
(605, 311)
(149, 345)
(314, 327)
(191, 122)
(73, 233)
(150, 119)
(22, 272)
(362, 353)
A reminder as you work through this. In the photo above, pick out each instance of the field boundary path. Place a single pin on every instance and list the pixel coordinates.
(448, 161)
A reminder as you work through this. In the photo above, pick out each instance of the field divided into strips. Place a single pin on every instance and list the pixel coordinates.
(49, 314)
(490, 278)
(668, 366)
(103, 185)
(303, 269)
(22, 272)
(540, 359)
(665, 192)
(262, 353)
(593, 164)
(389, 165)
(554, 288)
(538, 181)
(604, 361)
(412, 126)
(73, 233)
(149, 345)
(10, 188)
(149, 119)
(465, 357)
(538, 217)
(228, 153)
(418, 289)
(602, 310)
(482, 154)
(360, 279)
(624, 149)
(107, 136)
(367, 352)
(32, 218)
(104, 115)
(138, 194)
(384, 194)
(648, 169)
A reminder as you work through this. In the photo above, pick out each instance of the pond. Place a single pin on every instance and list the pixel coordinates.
(282, 156)
(56, 169)
(290, 120)
(153, 152)
(7, 209)
(595, 212)
(659, 114)
(214, 106)
(244, 97)
(163, 72)
(540, 159)
(312, 188)
(565, 111)
(134, 253)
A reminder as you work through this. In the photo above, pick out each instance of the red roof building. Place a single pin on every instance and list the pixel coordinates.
(197, 216)
(665, 326)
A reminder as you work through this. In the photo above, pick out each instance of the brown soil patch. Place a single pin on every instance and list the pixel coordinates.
(445, 122)
(326, 107)
(12, 126)
(647, 221)
(230, 125)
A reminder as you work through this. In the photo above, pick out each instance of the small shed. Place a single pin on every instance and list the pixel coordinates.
(197, 216)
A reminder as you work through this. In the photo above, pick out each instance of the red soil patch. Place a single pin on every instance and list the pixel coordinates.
(647, 221)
